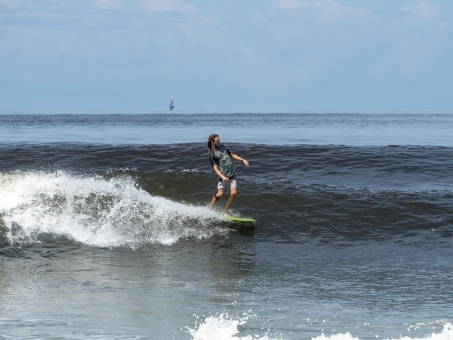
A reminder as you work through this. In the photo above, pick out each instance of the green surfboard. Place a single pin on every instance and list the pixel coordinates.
(238, 219)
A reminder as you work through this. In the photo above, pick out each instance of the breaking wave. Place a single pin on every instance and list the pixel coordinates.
(94, 211)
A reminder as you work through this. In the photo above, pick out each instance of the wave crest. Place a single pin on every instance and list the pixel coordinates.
(94, 211)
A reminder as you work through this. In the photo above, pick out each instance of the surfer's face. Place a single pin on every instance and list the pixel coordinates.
(217, 142)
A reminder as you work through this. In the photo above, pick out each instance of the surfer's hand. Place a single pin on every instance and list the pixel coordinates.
(246, 163)
(226, 179)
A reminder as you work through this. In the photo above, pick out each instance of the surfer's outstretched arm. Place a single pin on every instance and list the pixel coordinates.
(236, 157)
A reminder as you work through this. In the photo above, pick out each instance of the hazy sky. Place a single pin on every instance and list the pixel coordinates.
(242, 56)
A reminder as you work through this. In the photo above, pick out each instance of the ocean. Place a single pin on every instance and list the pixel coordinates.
(105, 231)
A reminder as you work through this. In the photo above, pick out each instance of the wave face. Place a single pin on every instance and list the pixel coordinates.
(133, 195)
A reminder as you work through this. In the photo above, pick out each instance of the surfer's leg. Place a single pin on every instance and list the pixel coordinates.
(233, 192)
(230, 200)
(220, 189)
(216, 198)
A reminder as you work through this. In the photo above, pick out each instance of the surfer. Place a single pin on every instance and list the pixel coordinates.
(221, 160)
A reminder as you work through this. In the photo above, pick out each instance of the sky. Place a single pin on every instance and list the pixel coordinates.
(226, 56)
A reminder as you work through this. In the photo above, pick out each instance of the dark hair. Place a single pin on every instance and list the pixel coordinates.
(211, 139)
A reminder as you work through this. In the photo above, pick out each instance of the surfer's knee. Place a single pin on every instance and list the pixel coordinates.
(218, 195)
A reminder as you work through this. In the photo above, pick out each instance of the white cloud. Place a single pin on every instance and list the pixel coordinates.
(293, 4)
(422, 9)
(105, 3)
(331, 7)
(203, 30)
(414, 41)
(424, 16)
(168, 5)
(322, 24)
(249, 55)
(9, 3)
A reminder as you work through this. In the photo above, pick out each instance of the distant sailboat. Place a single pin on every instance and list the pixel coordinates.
(172, 104)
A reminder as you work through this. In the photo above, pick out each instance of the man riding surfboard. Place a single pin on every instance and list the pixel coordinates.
(221, 161)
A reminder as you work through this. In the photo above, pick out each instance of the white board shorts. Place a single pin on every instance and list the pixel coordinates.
(223, 184)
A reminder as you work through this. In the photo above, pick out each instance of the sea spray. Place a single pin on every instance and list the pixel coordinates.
(445, 334)
(220, 327)
(95, 211)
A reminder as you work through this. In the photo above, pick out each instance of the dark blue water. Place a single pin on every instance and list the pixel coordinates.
(105, 231)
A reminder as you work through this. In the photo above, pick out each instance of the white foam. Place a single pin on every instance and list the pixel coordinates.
(95, 211)
(340, 336)
(445, 334)
(219, 328)
(224, 328)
